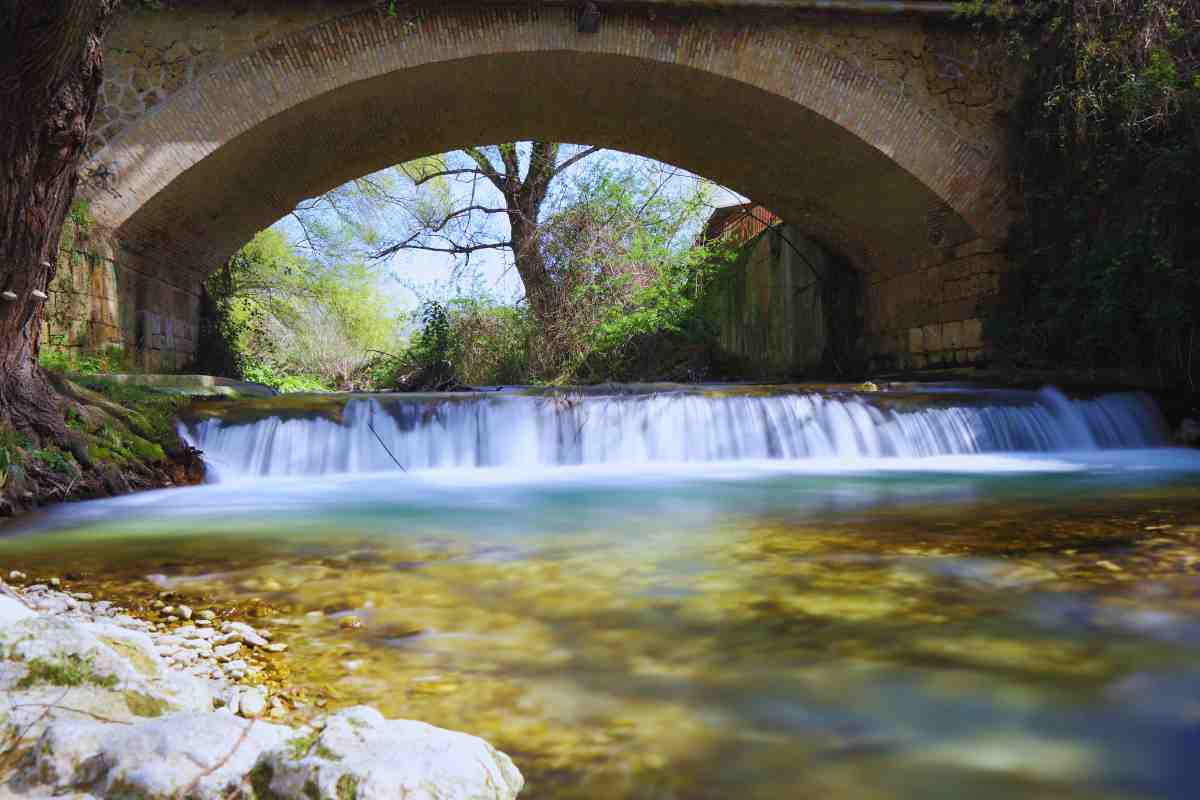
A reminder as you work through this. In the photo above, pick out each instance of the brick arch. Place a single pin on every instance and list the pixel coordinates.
(829, 146)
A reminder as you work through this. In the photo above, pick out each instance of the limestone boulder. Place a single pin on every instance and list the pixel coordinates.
(203, 756)
(12, 611)
(359, 754)
(53, 669)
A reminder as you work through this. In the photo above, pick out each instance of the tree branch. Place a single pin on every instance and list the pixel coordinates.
(486, 167)
(573, 160)
(457, 250)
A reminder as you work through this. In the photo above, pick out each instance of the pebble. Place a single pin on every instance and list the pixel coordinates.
(16, 575)
(252, 703)
(196, 646)
(55, 582)
(350, 622)
(226, 650)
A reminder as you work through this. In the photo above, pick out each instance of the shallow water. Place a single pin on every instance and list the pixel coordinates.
(988, 624)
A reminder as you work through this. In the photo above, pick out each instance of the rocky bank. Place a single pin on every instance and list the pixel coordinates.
(95, 703)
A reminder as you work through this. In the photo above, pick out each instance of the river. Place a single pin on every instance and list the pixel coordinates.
(678, 594)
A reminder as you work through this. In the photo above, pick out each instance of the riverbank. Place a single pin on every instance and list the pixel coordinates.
(118, 439)
(154, 698)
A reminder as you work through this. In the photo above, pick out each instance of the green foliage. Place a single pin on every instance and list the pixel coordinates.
(75, 362)
(1109, 166)
(56, 460)
(81, 215)
(294, 323)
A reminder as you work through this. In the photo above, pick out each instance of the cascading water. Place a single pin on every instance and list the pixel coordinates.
(514, 430)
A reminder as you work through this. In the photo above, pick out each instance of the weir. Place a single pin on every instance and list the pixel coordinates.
(517, 430)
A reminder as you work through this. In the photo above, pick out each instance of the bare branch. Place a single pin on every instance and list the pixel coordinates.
(445, 173)
(486, 167)
(575, 159)
(458, 250)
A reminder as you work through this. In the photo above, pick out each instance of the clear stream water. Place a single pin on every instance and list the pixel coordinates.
(668, 595)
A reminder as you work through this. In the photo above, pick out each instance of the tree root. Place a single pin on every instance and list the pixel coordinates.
(112, 451)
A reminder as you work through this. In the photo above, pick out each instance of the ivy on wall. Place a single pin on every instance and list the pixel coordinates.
(1107, 165)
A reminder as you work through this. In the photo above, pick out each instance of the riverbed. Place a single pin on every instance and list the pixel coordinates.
(977, 616)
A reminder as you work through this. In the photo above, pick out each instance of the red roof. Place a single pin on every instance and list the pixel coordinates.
(741, 222)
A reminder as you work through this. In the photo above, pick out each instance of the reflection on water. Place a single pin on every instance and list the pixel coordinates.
(987, 626)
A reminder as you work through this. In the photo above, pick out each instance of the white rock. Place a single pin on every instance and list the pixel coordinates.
(252, 702)
(164, 757)
(185, 612)
(226, 650)
(125, 677)
(362, 755)
(12, 611)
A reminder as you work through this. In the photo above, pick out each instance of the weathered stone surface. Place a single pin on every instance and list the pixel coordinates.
(203, 756)
(360, 754)
(12, 611)
(54, 669)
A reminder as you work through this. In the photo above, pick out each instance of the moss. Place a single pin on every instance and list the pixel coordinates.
(143, 705)
(70, 671)
(145, 450)
(299, 747)
(310, 744)
(134, 655)
(311, 791)
(260, 781)
(347, 787)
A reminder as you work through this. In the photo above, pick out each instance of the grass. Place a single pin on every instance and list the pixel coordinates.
(68, 671)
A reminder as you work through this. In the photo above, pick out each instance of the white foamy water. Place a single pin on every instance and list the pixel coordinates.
(668, 428)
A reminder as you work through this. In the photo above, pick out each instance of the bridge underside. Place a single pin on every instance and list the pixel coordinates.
(181, 191)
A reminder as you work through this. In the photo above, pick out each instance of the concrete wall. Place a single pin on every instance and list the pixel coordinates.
(103, 297)
(771, 308)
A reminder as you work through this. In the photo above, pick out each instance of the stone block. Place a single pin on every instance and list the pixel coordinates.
(952, 335)
(932, 336)
(916, 341)
(972, 334)
(975, 247)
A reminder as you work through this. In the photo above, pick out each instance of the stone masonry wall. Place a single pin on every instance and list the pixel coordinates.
(932, 314)
(105, 298)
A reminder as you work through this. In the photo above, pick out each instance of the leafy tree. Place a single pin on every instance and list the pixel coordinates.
(618, 244)
(297, 323)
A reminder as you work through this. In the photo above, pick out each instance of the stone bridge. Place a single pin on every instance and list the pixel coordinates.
(876, 129)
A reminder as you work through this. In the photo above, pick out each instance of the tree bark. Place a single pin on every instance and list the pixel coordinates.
(50, 72)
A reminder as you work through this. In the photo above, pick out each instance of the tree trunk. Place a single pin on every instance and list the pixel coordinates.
(531, 266)
(50, 62)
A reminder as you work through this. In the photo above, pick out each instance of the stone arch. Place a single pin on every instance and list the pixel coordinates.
(835, 149)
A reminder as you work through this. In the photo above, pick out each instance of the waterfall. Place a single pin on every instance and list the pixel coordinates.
(515, 430)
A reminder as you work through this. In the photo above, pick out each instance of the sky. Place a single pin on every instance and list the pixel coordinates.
(411, 276)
